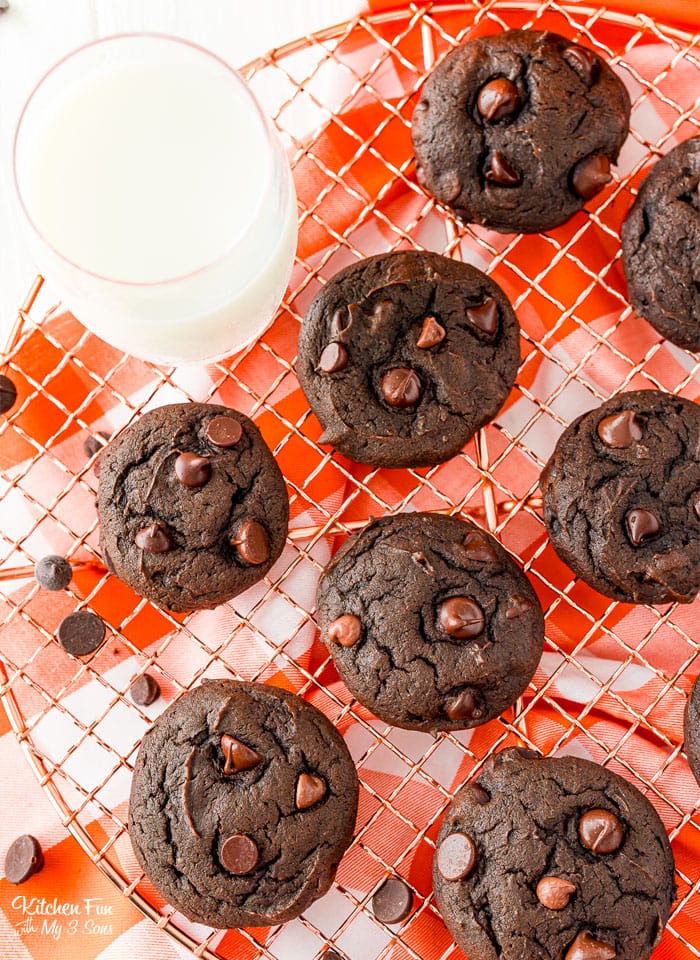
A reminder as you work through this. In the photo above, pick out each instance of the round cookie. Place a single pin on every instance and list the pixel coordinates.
(621, 497)
(552, 858)
(518, 130)
(242, 803)
(661, 246)
(404, 356)
(193, 508)
(431, 624)
(691, 728)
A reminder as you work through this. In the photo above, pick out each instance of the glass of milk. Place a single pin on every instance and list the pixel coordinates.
(158, 197)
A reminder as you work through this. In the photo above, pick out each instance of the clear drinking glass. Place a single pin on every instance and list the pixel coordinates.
(157, 197)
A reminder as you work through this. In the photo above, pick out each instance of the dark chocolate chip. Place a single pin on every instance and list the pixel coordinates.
(478, 548)
(310, 791)
(238, 756)
(401, 387)
(583, 62)
(456, 856)
(81, 633)
(192, 470)
(145, 690)
(477, 793)
(381, 314)
(431, 334)
(498, 99)
(223, 431)
(393, 901)
(641, 525)
(8, 393)
(517, 606)
(586, 947)
(153, 538)
(420, 560)
(590, 175)
(620, 430)
(501, 172)
(461, 617)
(465, 706)
(554, 892)
(450, 187)
(484, 317)
(23, 859)
(341, 321)
(93, 443)
(333, 358)
(600, 831)
(514, 753)
(252, 543)
(346, 630)
(239, 854)
(53, 572)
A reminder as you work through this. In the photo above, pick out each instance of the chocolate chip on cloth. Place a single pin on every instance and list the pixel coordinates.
(518, 130)
(403, 356)
(23, 859)
(621, 496)
(192, 506)
(661, 246)
(417, 612)
(516, 872)
(691, 726)
(243, 801)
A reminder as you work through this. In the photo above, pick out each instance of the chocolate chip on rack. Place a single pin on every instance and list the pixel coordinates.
(53, 572)
(81, 633)
(144, 690)
(393, 901)
(8, 393)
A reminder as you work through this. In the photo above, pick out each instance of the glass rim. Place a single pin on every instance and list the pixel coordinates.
(176, 41)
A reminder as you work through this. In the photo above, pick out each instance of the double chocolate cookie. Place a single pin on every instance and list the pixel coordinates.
(192, 506)
(431, 624)
(622, 497)
(243, 802)
(661, 246)
(552, 858)
(403, 357)
(692, 730)
(518, 130)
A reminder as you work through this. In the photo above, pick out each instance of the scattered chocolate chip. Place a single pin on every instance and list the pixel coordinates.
(620, 430)
(590, 175)
(381, 313)
(554, 892)
(401, 387)
(53, 572)
(514, 753)
(498, 99)
(484, 317)
(465, 706)
(145, 690)
(310, 791)
(456, 856)
(502, 172)
(393, 901)
(641, 525)
(333, 358)
(477, 793)
(341, 321)
(586, 947)
(450, 187)
(583, 62)
(600, 831)
(8, 393)
(477, 547)
(224, 431)
(517, 606)
(431, 334)
(153, 538)
(23, 859)
(192, 470)
(346, 630)
(461, 618)
(252, 543)
(420, 560)
(93, 443)
(238, 756)
(81, 633)
(239, 854)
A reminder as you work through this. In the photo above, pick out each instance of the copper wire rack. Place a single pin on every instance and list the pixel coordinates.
(613, 680)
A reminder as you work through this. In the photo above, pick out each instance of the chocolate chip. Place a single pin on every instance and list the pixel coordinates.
(554, 892)
(600, 831)
(477, 793)
(310, 791)
(381, 314)
(514, 753)
(456, 856)
(590, 175)
(498, 99)
(341, 321)
(53, 572)
(92, 444)
(239, 854)
(81, 633)
(449, 187)
(346, 630)
(502, 172)
(23, 859)
(484, 317)
(420, 560)
(620, 430)
(252, 543)
(465, 706)
(401, 387)
(223, 431)
(333, 358)
(393, 901)
(192, 470)
(586, 947)
(461, 618)
(477, 547)
(517, 606)
(431, 334)
(238, 756)
(8, 393)
(145, 690)
(153, 538)
(583, 62)
(641, 525)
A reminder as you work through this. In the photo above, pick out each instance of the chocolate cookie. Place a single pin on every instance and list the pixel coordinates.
(518, 130)
(431, 624)
(403, 357)
(552, 858)
(661, 246)
(622, 497)
(192, 506)
(691, 727)
(243, 802)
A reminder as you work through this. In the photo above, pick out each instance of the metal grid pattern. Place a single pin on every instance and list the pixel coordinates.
(580, 343)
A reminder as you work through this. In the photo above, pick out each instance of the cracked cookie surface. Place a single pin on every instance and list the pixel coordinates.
(691, 727)
(661, 246)
(621, 497)
(193, 508)
(567, 861)
(243, 801)
(404, 356)
(518, 130)
(430, 622)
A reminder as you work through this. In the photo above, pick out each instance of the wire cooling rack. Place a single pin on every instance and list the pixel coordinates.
(613, 680)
